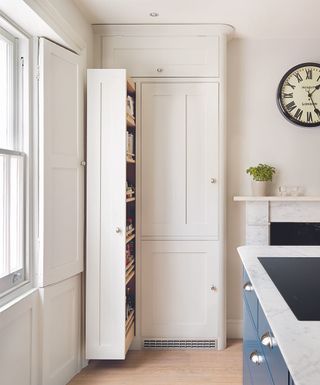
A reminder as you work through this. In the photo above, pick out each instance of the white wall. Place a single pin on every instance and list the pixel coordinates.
(257, 132)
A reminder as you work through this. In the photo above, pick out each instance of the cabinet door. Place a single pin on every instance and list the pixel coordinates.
(257, 372)
(106, 215)
(153, 56)
(177, 299)
(179, 160)
(61, 176)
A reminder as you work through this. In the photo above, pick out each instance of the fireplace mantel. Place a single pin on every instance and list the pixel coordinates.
(277, 199)
(261, 211)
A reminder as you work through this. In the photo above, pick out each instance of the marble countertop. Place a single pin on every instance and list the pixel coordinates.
(299, 341)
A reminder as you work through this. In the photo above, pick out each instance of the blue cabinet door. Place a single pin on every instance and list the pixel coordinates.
(256, 370)
(276, 363)
(251, 298)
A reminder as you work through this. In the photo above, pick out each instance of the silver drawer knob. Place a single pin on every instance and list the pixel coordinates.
(248, 286)
(118, 230)
(159, 69)
(213, 180)
(256, 358)
(213, 288)
(83, 163)
(267, 340)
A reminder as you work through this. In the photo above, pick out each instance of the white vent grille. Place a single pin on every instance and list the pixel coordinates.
(179, 344)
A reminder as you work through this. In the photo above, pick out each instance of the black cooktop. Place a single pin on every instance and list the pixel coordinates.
(298, 281)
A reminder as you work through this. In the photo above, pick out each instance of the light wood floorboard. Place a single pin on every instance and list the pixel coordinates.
(170, 367)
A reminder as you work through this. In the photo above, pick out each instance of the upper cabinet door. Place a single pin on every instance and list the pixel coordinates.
(179, 145)
(61, 176)
(165, 56)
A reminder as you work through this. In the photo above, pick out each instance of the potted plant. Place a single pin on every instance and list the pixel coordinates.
(262, 176)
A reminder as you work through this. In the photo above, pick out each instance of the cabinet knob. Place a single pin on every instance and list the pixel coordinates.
(267, 340)
(118, 230)
(213, 288)
(248, 286)
(256, 358)
(213, 180)
(159, 69)
(83, 163)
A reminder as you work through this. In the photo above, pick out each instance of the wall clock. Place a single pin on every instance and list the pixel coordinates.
(298, 95)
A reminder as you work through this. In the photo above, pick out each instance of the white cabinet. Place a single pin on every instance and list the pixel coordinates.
(180, 157)
(61, 176)
(61, 323)
(178, 289)
(110, 280)
(169, 56)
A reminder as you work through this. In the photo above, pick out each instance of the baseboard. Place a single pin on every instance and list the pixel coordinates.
(234, 328)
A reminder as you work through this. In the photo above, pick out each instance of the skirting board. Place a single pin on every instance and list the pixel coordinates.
(234, 328)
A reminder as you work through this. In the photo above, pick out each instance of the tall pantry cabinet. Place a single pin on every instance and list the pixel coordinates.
(177, 296)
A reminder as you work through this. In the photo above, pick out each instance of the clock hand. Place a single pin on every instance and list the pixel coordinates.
(314, 106)
(315, 89)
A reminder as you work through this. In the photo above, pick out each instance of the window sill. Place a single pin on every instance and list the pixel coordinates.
(16, 296)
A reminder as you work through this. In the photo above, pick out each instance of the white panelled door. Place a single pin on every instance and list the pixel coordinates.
(179, 144)
(61, 176)
(179, 299)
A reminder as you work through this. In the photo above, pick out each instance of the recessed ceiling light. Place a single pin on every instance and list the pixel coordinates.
(154, 14)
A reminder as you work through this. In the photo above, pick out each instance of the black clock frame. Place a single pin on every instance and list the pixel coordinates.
(279, 102)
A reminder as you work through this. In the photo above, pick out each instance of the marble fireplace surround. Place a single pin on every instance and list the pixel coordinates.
(261, 211)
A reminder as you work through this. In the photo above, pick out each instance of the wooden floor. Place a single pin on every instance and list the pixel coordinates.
(174, 367)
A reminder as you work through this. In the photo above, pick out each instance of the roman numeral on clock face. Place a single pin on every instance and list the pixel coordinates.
(298, 114)
(308, 73)
(309, 117)
(291, 85)
(298, 77)
(291, 106)
(290, 95)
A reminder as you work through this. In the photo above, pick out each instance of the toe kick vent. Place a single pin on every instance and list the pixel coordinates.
(179, 344)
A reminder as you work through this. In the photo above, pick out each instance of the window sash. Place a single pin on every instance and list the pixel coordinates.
(12, 219)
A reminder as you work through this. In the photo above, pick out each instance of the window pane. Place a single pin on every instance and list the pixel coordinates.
(11, 213)
(3, 264)
(16, 214)
(6, 93)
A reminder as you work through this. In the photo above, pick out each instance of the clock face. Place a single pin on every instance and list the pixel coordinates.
(299, 95)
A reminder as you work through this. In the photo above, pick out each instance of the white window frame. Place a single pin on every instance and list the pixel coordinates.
(20, 281)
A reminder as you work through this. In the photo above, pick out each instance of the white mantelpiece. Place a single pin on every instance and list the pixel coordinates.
(261, 211)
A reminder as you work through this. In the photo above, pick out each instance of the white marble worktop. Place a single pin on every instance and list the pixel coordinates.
(299, 341)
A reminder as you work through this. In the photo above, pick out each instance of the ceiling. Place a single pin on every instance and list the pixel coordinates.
(251, 18)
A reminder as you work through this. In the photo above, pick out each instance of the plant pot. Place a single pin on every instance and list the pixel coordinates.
(259, 188)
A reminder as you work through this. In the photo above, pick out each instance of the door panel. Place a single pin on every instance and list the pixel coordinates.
(61, 331)
(177, 300)
(61, 187)
(179, 160)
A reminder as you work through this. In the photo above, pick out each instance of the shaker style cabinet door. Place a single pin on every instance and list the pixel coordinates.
(180, 289)
(61, 175)
(179, 150)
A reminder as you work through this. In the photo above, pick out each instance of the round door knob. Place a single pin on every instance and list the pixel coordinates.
(159, 69)
(118, 230)
(213, 180)
(256, 358)
(248, 286)
(267, 340)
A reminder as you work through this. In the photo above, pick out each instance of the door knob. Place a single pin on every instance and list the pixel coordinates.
(248, 286)
(213, 288)
(256, 358)
(267, 340)
(118, 230)
(159, 69)
(213, 180)
(83, 163)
